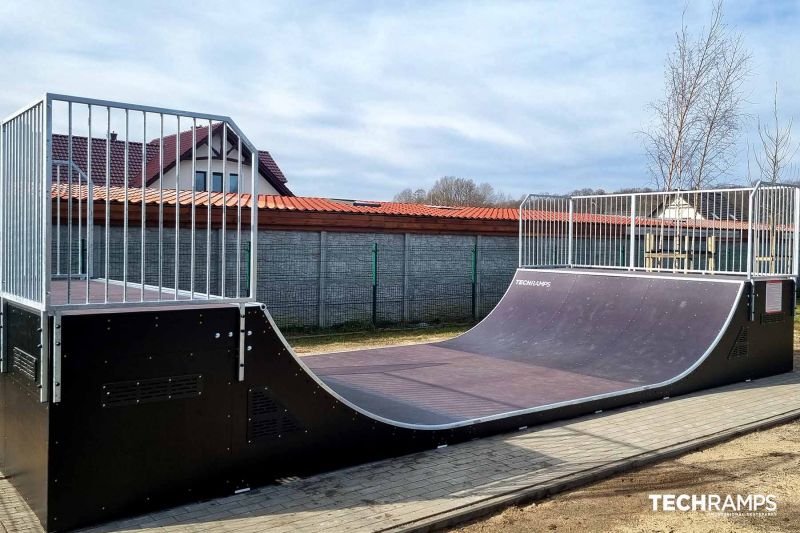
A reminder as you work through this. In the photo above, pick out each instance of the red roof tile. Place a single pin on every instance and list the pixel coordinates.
(303, 204)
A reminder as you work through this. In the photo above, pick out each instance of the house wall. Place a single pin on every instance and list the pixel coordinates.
(680, 209)
(184, 171)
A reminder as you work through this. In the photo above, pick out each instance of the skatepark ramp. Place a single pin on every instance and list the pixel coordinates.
(119, 396)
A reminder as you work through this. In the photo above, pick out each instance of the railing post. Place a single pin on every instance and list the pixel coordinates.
(253, 223)
(796, 234)
(632, 251)
(519, 234)
(47, 204)
(570, 227)
(750, 237)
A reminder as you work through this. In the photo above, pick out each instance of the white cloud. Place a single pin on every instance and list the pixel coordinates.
(360, 99)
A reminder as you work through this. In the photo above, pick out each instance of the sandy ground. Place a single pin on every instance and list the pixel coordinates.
(371, 339)
(765, 462)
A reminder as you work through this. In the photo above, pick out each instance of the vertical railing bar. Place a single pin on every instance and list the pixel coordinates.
(253, 223)
(570, 228)
(224, 155)
(13, 182)
(125, 213)
(89, 208)
(239, 218)
(107, 235)
(796, 233)
(519, 234)
(26, 281)
(209, 140)
(177, 204)
(194, 220)
(69, 202)
(160, 206)
(58, 220)
(45, 219)
(750, 233)
(76, 168)
(632, 251)
(143, 212)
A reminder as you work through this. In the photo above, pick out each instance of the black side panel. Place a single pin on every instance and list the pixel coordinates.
(26, 418)
(144, 421)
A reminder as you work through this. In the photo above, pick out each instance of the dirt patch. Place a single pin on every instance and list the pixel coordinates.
(765, 462)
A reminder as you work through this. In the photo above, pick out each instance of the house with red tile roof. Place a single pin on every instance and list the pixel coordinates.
(192, 159)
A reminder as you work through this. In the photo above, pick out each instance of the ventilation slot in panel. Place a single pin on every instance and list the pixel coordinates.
(266, 417)
(152, 390)
(772, 318)
(741, 345)
(25, 364)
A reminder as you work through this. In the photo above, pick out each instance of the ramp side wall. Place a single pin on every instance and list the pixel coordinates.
(25, 419)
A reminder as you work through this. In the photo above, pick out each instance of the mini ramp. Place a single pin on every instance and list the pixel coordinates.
(161, 418)
(145, 375)
(556, 338)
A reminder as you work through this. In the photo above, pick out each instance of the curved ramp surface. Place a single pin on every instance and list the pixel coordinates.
(556, 336)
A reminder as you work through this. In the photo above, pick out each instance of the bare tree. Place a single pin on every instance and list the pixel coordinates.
(457, 192)
(692, 139)
(408, 196)
(774, 159)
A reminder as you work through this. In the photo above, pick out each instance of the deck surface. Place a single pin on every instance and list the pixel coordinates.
(74, 291)
(557, 338)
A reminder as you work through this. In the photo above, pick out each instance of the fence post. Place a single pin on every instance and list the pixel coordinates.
(374, 284)
(322, 267)
(406, 241)
(474, 271)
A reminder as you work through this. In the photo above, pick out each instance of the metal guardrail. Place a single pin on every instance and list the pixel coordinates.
(79, 176)
(743, 231)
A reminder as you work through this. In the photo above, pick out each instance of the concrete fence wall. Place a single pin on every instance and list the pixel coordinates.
(319, 279)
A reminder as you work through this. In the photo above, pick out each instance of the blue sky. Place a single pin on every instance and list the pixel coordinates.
(362, 99)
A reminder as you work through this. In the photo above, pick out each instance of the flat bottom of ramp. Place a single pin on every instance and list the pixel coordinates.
(457, 483)
(430, 384)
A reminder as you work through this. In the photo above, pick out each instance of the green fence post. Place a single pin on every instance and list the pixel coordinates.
(474, 281)
(374, 284)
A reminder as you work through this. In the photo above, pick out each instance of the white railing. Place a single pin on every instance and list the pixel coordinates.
(24, 202)
(743, 231)
(104, 203)
(109, 204)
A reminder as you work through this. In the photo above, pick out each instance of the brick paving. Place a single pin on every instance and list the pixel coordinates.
(444, 486)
